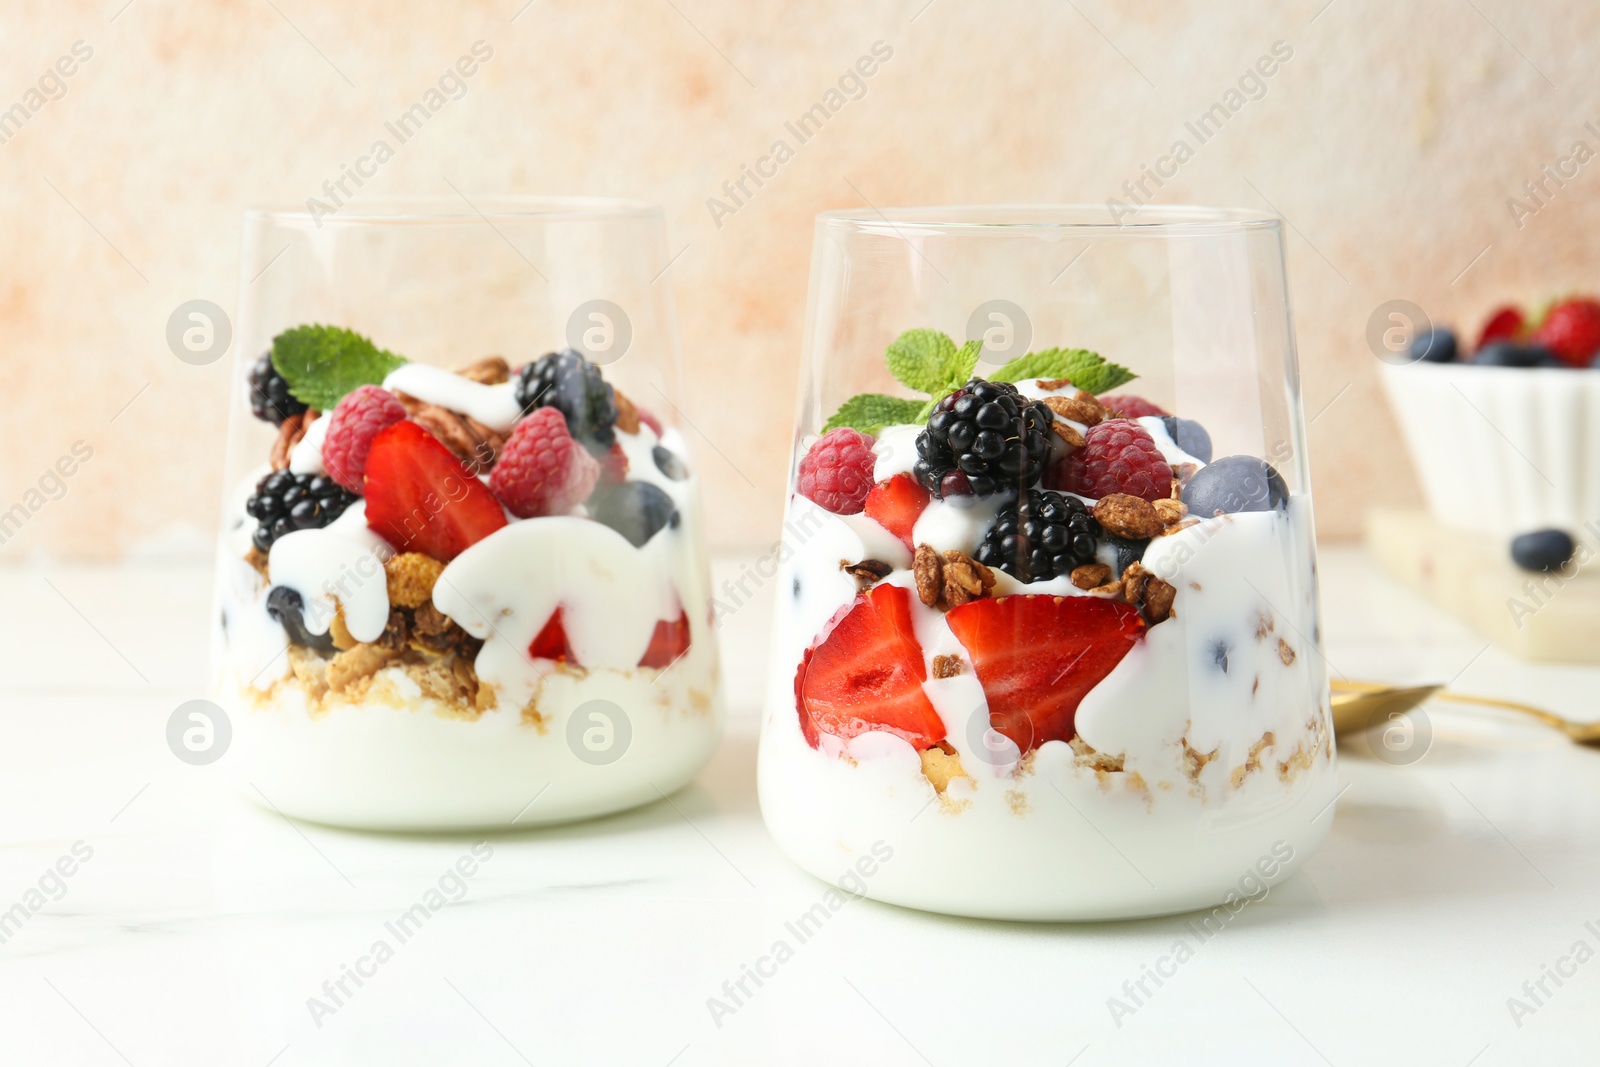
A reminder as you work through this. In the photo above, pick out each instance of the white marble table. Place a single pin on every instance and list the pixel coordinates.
(200, 925)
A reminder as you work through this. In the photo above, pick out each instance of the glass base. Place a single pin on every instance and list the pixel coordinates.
(1068, 851)
(379, 767)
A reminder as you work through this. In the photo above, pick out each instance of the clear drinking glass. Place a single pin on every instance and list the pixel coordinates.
(1048, 649)
(462, 579)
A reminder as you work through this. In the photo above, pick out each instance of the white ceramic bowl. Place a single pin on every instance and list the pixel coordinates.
(1502, 450)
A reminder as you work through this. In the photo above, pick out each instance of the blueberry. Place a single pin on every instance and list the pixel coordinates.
(285, 605)
(1219, 655)
(1510, 354)
(636, 510)
(1437, 345)
(1542, 550)
(1189, 436)
(1235, 483)
(668, 463)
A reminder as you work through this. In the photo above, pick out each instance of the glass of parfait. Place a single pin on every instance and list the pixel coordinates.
(1047, 645)
(462, 579)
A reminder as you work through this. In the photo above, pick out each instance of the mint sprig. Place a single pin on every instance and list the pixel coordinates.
(1086, 370)
(930, 363)
(323, 363)
(871, 412)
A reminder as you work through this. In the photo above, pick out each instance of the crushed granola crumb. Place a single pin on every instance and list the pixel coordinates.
(1285, 653)
(1252, 761)
(1082, 408)
(867, 573)
(1125, 515)
(490, 370)
(410, 577)
(949, 580)
(1171, 511)
(1091, 575)
(362, 661)
(941, 765)
(948, 666)
(1068, 433)
(627, 413)
(1152, 596)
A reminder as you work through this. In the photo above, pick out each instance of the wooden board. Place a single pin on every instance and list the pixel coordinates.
(1547, 617)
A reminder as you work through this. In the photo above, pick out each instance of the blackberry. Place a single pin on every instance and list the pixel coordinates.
(284, 502)
(1042, 535)
(285, 605)
(573, 386)
(983, 438)
(270, 400)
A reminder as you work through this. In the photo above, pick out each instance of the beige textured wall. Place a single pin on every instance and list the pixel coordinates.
(1390, 141)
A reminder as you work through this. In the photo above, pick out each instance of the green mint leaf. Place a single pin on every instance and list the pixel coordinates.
(871, 412)
(323, 363)
(922, 359)
(961, 364)
(1086, 370)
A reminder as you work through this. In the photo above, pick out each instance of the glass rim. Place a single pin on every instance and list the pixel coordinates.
(1083, 219)
(443, 209)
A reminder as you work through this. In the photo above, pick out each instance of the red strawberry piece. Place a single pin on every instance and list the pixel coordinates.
(421, 499)
(542, 470)
(837, 471)
(1130, 406)
(649, 420)
(352, 425)
(1506, 323)
(1037, 656)
(551, 642)
(1572, 330)
(1118, 456)
(896, 504)
(614, 465)
(670, 640)
(866, 673)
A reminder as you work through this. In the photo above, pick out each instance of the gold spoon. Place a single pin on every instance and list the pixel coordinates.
(1356, 704)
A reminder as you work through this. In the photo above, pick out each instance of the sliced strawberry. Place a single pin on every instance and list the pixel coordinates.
(866, 673)
(421, 499)
(552, 643)
(1506, 323)
(896, 504)
(1036, 656)
(670, 640)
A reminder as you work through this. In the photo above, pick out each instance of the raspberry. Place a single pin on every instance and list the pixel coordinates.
(355, 421)
(1572, 330)
(542, 471)
(1118, 456)
(837, 472)
(1130, 406)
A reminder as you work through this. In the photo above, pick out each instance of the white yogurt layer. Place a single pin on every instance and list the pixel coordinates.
(306, 456)
(1218, 715)
(399, 760)
(493, 405)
